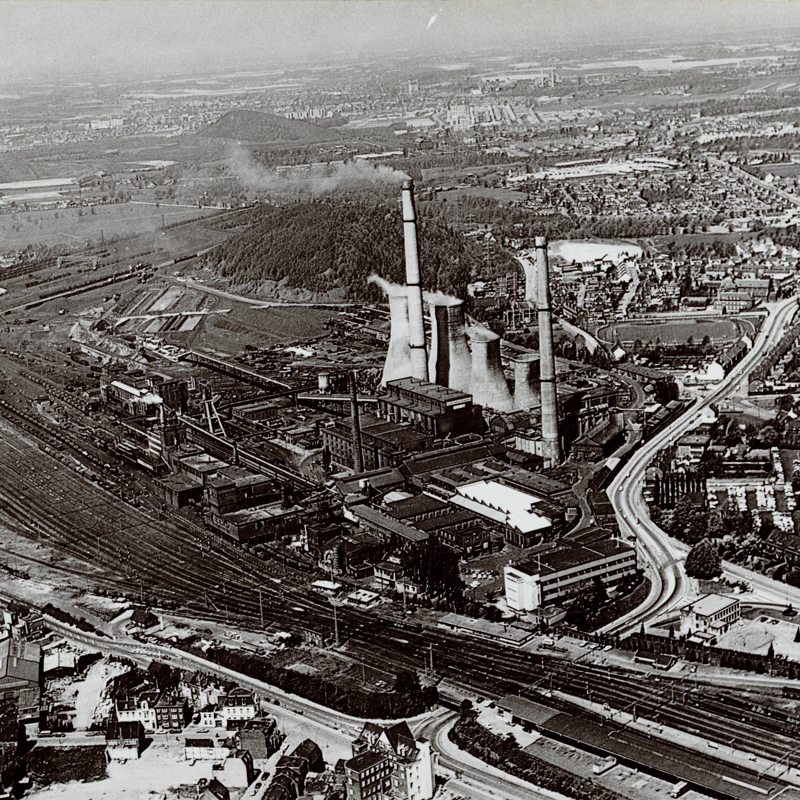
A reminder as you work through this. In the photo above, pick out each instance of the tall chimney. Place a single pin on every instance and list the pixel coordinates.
(358, 456)
(526, 381)
(419, 355)
(547, 362)
(450, 362)
(398, 356)
(531, 288)
(489, 387)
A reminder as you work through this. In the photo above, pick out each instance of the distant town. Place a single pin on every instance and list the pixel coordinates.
(403, 429)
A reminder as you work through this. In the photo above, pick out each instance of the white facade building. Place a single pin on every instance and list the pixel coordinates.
(558, 575)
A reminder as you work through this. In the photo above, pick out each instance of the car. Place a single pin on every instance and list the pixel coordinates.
(174, 730)
(480, 699)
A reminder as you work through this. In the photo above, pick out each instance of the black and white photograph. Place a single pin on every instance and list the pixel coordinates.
(399, 399)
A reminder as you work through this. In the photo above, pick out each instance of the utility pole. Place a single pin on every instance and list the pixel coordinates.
(261, 607)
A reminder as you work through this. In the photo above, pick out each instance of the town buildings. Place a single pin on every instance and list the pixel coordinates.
(389, 761)
(555, 576)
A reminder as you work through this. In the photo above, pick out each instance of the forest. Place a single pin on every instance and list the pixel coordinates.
(337, 243)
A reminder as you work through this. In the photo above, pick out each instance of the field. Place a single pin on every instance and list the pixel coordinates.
(77, 226)
(671, 332)
(581, 252)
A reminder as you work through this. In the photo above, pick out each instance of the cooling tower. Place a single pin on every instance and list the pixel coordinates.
(416, 340)
(489, 387)
(398, 357)
(547, 362)
(450, 362)
(526, 381)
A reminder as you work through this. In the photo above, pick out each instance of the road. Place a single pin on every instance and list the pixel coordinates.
(663, 554)
(478, 779)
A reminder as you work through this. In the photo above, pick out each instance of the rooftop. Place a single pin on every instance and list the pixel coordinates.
(431, 390)
(711, 604)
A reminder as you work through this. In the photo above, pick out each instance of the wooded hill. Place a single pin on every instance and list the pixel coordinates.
(330, 244)
(260, 127)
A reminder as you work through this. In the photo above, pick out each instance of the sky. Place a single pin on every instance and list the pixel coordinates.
(103, 38)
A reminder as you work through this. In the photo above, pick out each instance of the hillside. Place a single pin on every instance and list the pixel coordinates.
(325, 245)
(259, 127)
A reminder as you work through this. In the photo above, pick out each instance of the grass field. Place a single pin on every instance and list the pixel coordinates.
(77, 226)
(671, 332)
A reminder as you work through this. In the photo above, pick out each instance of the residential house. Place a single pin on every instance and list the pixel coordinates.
(390, 761)
(204, 749)
(237, 707)
(172, 711)
(124, 740)
(21, 675)
(215, 791)
(261, 737)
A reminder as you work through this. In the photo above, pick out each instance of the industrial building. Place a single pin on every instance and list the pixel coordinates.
(556, 576)
(435, 410)
(517, 512)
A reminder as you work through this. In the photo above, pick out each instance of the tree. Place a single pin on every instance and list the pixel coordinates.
(771, 652)
(703, 561)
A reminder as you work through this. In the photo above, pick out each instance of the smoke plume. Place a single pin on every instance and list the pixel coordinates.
(390, 289)
(480, 333)
(314, 180)
(151, 399)
(440, 299)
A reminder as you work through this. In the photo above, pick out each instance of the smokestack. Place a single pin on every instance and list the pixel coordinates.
(450, 362)
(531, 288)
(398, 357)
(489, 387)
(358, 456)
(547, 362)
(526, 381)
(419, 356)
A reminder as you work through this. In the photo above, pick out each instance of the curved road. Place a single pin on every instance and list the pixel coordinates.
(664, 554)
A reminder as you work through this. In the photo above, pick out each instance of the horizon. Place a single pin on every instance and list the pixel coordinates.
(57, 41)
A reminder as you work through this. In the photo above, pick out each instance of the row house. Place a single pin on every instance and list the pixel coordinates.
(155, 710)
(232, 711)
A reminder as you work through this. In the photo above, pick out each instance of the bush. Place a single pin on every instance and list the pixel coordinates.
(505, 754)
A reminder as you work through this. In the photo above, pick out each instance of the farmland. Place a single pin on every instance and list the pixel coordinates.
(77, 226)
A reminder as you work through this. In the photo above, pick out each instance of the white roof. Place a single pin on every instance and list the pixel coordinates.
(502, 504)
(125, 388)
(712, 604)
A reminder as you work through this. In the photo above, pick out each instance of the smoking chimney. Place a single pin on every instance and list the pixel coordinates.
(419, 356)
(450, 362)
(358, 456)
(398, 357)
(547, 362)
(489, 387)
(526, 381)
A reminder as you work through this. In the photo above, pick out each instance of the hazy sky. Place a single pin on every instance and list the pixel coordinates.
(51, 38)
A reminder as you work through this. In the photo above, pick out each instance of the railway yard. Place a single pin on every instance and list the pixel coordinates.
(65, 487)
